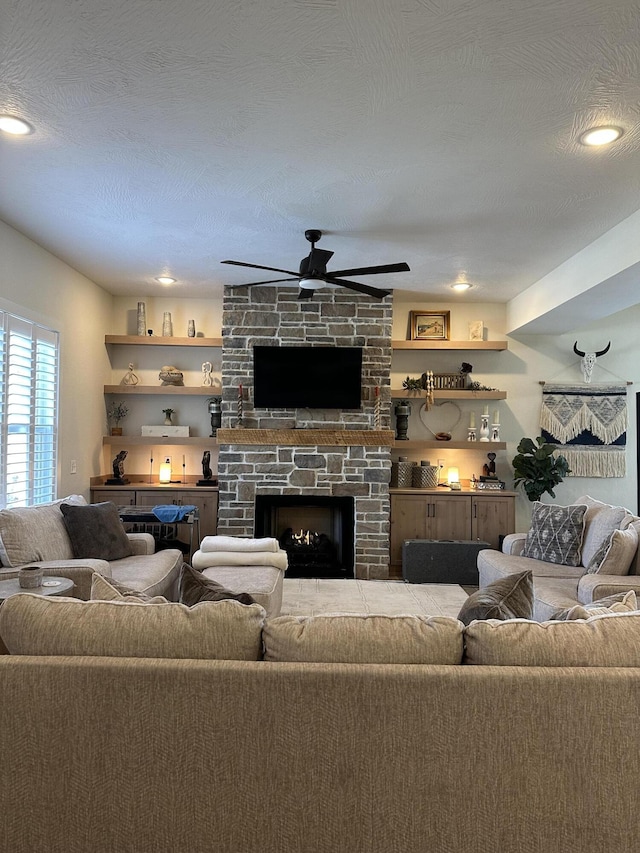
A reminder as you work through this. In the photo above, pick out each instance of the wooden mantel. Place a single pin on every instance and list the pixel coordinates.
(307, 437)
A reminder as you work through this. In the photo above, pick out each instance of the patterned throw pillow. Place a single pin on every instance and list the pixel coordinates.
(556, 534)
(507, 598)
(619, 602)
(615, 555)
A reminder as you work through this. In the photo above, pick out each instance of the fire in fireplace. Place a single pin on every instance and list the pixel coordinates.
(316, 532)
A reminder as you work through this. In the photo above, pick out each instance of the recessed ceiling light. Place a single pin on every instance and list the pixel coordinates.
(601, 135)
(15, 126)
(461, 285)
(165, 279)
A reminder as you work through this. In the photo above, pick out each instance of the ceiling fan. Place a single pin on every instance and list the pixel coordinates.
(313, 272)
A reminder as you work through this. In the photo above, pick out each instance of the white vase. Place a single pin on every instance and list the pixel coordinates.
(167, 326)
(191, 329)
(142, 319)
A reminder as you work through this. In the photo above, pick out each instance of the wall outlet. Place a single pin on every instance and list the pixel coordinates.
(73, 467)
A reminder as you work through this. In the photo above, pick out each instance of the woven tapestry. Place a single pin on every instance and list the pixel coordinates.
(588, 423)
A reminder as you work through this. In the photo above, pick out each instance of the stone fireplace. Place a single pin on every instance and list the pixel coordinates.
(308, 453)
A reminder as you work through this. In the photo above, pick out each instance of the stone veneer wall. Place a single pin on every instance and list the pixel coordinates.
(272, 316)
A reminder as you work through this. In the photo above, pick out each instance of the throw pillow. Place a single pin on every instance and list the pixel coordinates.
(556, 533)
(599, 524)
(108, 589)
(195, 587)
(620, 602)
(507, 598)
(96, 531)
(615, 555)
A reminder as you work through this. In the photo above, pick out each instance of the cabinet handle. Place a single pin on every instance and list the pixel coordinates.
(475, 510)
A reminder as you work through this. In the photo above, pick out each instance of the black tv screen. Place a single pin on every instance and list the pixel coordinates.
(307, 377)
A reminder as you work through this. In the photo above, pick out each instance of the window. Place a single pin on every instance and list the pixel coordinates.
(29, 356)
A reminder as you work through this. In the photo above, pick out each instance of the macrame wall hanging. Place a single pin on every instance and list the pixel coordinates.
(588, 423)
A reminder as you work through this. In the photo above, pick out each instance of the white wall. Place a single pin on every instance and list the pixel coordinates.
(37, 285)
(518, 371)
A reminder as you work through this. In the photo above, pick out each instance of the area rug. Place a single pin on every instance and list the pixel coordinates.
(312, 596)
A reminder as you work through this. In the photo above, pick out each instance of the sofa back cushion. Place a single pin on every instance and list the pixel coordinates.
(35, 625)
(363, 638)
(34, 533)
(556, 533)
(610, 640)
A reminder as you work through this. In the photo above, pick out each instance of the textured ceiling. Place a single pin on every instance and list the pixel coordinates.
(172, 134)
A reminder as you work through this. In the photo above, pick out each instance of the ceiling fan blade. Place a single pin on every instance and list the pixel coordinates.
(318, 258)
(305, 293)
(258, 267)
(374, 270)
(355, 285)
(271, 281)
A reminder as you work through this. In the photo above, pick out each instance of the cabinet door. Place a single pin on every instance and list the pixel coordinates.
(493, 516)
(449, 517)
(408, 521)
(155, 497)
(207, 502)
(120, 497)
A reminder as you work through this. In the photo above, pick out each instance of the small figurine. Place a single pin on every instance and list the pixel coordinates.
(207, 367)
(490, 469)
(207, 473)
(118, 466)
(130, 377)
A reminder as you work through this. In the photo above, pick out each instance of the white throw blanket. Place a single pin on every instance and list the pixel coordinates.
(236, 543)
(207, 559)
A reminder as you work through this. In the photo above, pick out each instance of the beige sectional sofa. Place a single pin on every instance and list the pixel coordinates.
(37, 535)
(212, 729)
(557, 586)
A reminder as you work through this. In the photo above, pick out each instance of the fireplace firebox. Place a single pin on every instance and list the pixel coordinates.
(316, 532)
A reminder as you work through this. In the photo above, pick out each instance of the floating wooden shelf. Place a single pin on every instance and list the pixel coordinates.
(453, 445)
(153, 440)
(402, 393)
(470, 345)
(166, 390)
(157, 341)
(307, 437)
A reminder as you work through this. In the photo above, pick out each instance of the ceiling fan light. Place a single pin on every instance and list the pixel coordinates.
(311, 283)
(600, 135)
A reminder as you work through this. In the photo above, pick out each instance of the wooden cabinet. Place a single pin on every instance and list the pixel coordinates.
(205, 498)
(431, 514)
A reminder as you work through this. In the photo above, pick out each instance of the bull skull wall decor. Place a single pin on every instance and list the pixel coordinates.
(589, 359)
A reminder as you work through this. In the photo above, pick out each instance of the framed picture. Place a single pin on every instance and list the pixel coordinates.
(429, 325)
(476, 330)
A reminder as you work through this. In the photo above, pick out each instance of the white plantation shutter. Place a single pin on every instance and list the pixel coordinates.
(29, 356)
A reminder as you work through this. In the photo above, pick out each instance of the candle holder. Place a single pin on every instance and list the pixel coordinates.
(471, 434)
(484, 428)
(239, 404)
(402, 412)
(495, 432)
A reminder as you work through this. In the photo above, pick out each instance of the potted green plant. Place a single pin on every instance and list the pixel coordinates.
(538, 468)
(116, 412)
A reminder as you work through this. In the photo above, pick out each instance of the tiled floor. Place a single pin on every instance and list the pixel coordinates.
(310, 596)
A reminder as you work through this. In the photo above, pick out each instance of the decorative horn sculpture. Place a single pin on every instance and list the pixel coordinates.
(589, 359)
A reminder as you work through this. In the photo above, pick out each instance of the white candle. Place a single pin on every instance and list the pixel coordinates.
(496, 417)
(485, 411)
(472, 419)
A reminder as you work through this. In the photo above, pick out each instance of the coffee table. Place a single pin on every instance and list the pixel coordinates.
(50, 586)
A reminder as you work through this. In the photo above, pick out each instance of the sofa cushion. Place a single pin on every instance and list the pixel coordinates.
(225, 630)
(35, 533)
(155, 574)
(556, 533)
(610, 640)
(615, 554)
(103, 589)
(96, 531)
(600, 521)
(620, 602)
(196, 587)
(507, 598)
(363, 638)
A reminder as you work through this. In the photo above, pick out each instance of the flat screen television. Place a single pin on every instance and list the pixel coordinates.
(307, 377)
